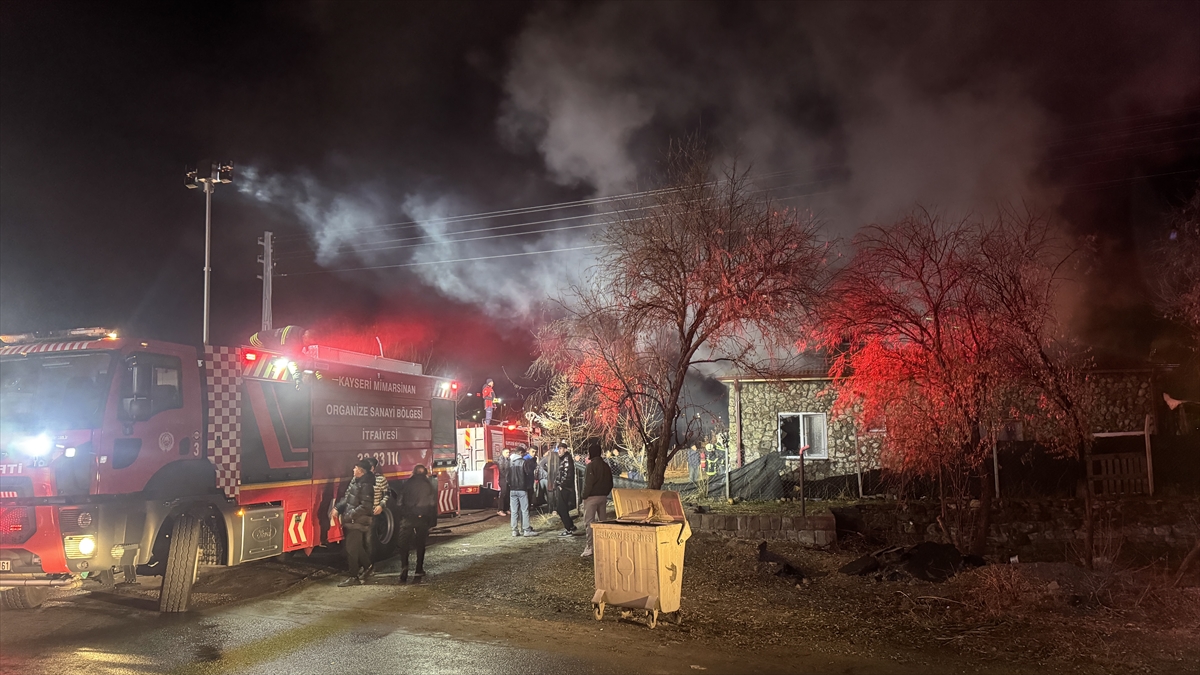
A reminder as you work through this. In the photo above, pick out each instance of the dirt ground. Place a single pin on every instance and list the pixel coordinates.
(1001, 618)
(1039, 617)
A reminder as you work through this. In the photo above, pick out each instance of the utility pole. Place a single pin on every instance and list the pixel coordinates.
(217, 172)
(267, 273)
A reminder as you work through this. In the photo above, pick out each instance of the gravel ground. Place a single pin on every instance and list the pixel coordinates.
(1000, 618)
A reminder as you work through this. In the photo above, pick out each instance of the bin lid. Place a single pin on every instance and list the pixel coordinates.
(651, 506)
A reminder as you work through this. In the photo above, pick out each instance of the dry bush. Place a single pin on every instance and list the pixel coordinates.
(997, 589)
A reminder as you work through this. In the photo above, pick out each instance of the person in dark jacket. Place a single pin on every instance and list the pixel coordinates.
(597, 484)
(502, 463)
(418, 513)
(355, 509)
(521, 470)
(564, 489)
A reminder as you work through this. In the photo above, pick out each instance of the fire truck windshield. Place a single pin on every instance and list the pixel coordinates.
(46, 392)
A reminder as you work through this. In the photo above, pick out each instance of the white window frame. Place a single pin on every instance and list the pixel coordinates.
(803, 440)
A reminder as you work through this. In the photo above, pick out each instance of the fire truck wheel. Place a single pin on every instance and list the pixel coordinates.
(183, 561)
(23, 597)
(386, 532)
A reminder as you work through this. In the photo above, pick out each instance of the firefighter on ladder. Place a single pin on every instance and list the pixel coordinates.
(289, 341)
(489, 396)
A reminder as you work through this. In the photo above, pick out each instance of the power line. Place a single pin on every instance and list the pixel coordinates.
(592, 201)
(442, 262)
(507, 255)
(1095, 185)
(403, 242)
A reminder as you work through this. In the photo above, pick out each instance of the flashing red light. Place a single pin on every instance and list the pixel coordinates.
(17, 527)
(251, 356)
(512, 427)
(454, 386)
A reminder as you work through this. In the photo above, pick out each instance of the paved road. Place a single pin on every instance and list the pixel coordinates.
(316, 627)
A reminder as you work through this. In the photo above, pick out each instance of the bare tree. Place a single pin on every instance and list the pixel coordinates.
(914, 349)
(944, 330)
(1178, 261)
(700, 272)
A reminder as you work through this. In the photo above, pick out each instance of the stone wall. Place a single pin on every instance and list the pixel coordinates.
(763, 401)
(1121, 401)
(1053, 529)
(817, 531)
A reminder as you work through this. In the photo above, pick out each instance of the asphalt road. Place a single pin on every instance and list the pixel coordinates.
(276, 617)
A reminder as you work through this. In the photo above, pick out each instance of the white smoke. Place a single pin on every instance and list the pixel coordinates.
(471, 260)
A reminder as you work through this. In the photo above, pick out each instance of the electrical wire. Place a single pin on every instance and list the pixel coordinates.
(440, 262)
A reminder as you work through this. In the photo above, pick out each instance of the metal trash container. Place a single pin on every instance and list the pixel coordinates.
(639, 556)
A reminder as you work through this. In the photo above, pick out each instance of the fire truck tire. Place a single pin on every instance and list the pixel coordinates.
(23, 597)
(183, 561)
(386, 533)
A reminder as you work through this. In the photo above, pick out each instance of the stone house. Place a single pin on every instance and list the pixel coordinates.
(787, 413)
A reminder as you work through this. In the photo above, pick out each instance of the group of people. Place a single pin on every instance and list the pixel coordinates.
(368, 494)
(554, 473)
(366, 497)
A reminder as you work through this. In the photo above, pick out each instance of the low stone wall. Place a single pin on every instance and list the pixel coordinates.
(1053, 529)
(818, 531)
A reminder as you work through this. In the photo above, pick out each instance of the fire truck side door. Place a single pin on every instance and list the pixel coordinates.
(156, 420)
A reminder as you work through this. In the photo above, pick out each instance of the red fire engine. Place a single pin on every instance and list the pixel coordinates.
(479, 448)
(146, 457)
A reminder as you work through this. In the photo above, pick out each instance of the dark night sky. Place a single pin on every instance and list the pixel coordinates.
(342, 117)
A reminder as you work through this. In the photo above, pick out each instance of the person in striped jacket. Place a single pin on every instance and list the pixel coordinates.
(382, 499)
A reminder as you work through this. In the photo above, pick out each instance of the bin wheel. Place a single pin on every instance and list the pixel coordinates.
(679, 617)
(653, 618)
(598, 610)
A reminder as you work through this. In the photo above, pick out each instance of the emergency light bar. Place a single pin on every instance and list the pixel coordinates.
(95, 333)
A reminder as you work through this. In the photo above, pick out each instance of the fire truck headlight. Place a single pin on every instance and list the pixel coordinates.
(35, 446)
(80, 547)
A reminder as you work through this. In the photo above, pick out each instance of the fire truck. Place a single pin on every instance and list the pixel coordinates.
(479, 448)
(139, 457)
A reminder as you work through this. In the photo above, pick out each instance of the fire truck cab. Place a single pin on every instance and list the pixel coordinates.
(141, 457)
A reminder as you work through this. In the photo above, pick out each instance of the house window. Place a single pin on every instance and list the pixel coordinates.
(803, 431)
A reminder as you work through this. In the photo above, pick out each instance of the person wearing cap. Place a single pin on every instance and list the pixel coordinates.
(418, 513)
(597, 484)
(521, 468)
(354, 509)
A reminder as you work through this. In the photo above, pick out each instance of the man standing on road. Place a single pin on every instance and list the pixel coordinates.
(564, 498)
(521, 468)
(597, 484)
(355, 511)
(418, 513)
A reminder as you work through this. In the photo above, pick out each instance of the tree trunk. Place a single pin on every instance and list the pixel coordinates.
(656, 467)
(984, 522)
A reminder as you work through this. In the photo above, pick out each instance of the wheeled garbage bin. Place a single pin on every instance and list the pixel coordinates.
(639, 556)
